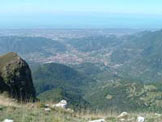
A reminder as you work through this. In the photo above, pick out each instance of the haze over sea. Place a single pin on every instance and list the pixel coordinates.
(81, 14)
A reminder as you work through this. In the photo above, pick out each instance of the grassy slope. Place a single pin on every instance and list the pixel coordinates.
(35, 113)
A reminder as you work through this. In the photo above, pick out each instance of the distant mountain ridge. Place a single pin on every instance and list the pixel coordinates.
(30, 47)
(141, 56)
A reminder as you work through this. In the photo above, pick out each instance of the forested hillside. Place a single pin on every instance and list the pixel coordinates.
(54, 82)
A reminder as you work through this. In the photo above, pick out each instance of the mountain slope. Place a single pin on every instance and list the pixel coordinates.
(125, 96)
(30, 47)
(94, 43)
(141, 56)
(67, 82)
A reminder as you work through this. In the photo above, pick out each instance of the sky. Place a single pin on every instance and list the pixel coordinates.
(80, 13)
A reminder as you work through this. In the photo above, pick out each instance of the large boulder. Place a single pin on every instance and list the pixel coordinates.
(15, 77)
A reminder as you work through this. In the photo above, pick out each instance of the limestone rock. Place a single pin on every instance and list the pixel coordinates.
(61, 104)
(99, 120)
(140, 119)
(123, 115)
(8, 120)
(47, 109)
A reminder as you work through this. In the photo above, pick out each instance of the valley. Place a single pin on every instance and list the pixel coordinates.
(118, 70)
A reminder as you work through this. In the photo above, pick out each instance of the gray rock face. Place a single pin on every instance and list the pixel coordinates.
(15, 77)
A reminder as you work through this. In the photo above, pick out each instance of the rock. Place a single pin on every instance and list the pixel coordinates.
(61, 104)
(8, 120)
(140, 119)
(99, 120)
(15, 77)
(47, 109)
(123, 115)
(46, 105)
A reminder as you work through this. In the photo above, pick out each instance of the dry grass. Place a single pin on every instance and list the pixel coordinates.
(5, 101)
(10, 109)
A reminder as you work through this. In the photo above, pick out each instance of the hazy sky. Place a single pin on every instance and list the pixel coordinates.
(81, 13)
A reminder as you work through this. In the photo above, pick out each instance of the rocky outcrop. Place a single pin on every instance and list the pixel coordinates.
(15, 77)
